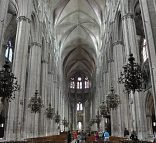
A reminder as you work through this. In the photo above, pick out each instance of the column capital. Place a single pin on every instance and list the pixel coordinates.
(36, 44)
(117, 43)
(23, 18)
(127, 15)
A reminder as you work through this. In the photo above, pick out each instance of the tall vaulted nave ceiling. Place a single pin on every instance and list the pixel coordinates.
(77, 25)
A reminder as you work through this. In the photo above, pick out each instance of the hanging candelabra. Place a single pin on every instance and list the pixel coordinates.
(65, 123)
(57, 118)
(132, 76)
(98, 119)
(50, 112)
(8, 83)
(91, 122)
(112, 99)
(104, 110)
(35, 103)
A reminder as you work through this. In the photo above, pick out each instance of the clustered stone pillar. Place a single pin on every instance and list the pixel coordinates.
(16, 108)
(31, 124)
(128, 30)
(149, 124)
(131, 46)
(54, 102)
(51, 83)
(147, 20)
(122, 108)
(44, 88)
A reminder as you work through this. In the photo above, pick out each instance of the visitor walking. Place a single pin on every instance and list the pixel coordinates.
(78, 137)
(82, 137)
(106, 135)
(96, 137)
(134, 136)
(126, 133)
(69, 137)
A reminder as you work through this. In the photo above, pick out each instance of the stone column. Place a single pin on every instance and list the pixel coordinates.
(3, 18)
(56, 103)
(131, 46)
(151, 45)
(51, 85)
(53, 101)
(87, 105)
(31, 125)
(149, 126)
(44, 89)
(16, 112)
(122, 110)
(74, 116)
(50, 100)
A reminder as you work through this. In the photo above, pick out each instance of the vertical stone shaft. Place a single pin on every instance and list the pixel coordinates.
(16, 109)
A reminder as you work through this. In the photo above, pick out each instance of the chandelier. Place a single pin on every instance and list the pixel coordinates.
(50, 112)
(104, 110)
(8, 83)
(65, 123)
(98, 120)
(57, 118)
(35, 103)
(112, 99)
(91, 122)
(131, 76)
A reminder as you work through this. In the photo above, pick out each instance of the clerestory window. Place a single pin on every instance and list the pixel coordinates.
(79, 106)
(86, 82)
(79, 83)
(144, 50)
(9, 51)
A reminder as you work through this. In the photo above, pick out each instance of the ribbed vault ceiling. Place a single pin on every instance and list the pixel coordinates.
(77, 26)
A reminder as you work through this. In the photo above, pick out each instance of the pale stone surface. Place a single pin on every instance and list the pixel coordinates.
(59, 40)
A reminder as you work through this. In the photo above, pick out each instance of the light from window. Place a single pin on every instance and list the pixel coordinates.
(79, 83)
(79, 125)
(154, 124)
(86, 84)
(144, 51)
(79, 106)
(2, 125)
(79, 78)
(9, 52)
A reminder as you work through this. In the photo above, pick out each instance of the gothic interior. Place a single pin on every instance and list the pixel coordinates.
(77, 65)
